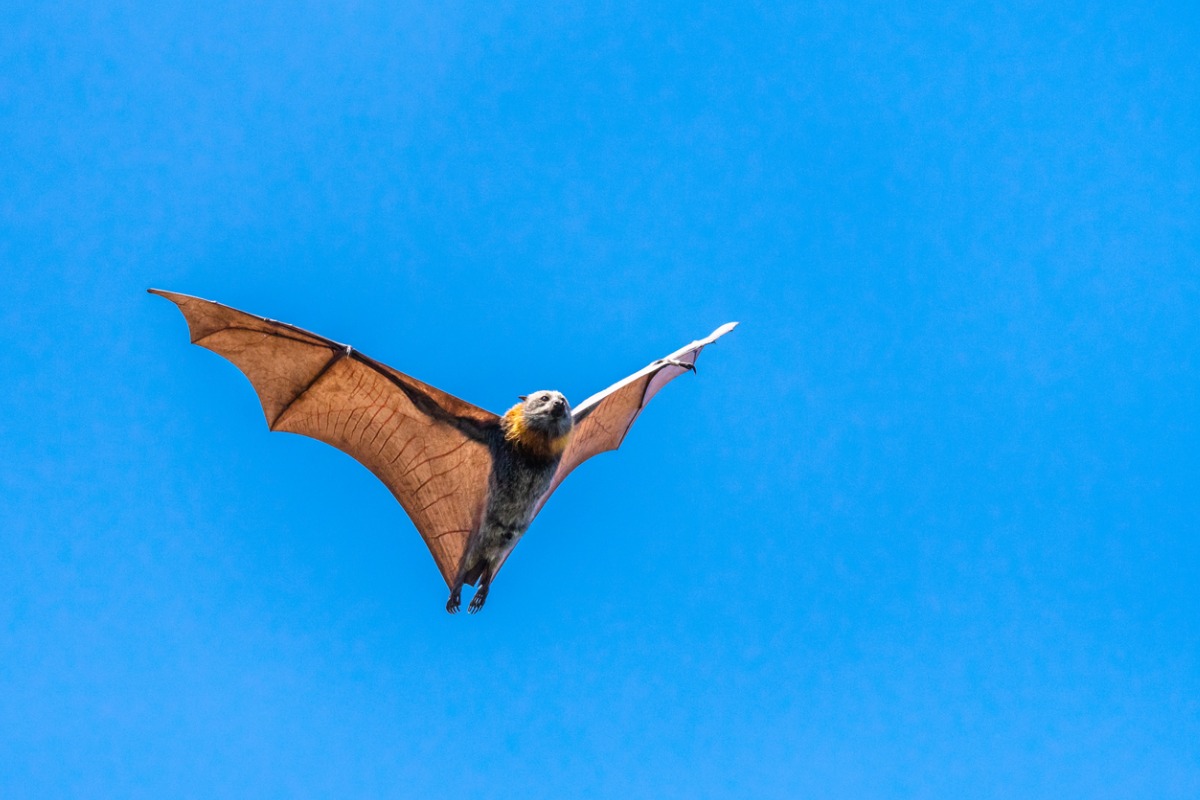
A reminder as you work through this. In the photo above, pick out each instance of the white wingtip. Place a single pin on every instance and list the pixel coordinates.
(721, 331)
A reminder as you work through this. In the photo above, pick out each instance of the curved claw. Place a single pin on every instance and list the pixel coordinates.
(681, 364)
(476, 603)
(453, 604)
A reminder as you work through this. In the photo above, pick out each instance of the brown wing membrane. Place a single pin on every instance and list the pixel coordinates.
(425, 445)
(603, 420)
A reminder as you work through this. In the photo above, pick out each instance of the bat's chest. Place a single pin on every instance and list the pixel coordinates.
(514, 488)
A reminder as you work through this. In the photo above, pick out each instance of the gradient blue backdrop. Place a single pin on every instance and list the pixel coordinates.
(924, 526)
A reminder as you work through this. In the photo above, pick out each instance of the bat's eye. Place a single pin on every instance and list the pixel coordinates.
(545, 398)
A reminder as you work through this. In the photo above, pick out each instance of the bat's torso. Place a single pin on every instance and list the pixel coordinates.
(517, 481)
(526, 450)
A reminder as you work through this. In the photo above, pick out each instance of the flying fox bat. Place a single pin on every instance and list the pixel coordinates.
(471, 481)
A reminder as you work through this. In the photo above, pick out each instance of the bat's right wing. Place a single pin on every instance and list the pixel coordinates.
(428, 447)
(603, 420)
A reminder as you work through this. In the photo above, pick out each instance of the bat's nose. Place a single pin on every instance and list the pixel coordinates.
(559, 405)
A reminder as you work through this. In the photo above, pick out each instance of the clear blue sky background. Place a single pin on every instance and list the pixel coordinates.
(924, 526)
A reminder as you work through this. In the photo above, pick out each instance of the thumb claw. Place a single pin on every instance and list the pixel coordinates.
(681, 364)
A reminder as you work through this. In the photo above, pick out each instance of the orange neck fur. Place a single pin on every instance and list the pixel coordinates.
(538, 444)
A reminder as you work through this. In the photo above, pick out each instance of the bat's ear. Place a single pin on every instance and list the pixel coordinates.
(522, 398)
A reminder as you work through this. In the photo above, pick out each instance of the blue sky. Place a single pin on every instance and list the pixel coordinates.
(925, 525)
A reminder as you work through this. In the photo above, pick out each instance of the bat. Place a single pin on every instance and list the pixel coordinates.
(471, 481)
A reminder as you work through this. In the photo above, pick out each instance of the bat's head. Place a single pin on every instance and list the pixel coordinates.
(547, 412)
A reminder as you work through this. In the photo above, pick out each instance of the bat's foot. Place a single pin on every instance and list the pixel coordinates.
(477, 601)
(455, 601)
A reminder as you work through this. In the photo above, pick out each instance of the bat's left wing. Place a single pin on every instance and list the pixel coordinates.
(603, 420)
(427, 446)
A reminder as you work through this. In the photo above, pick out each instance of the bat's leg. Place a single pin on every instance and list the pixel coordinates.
(455, 596)
(455, 600)
(485, 582)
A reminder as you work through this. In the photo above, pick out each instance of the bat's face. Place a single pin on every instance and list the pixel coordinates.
(548, 413)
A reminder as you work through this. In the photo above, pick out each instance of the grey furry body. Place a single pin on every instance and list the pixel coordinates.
(516, 483)
(519, 478)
